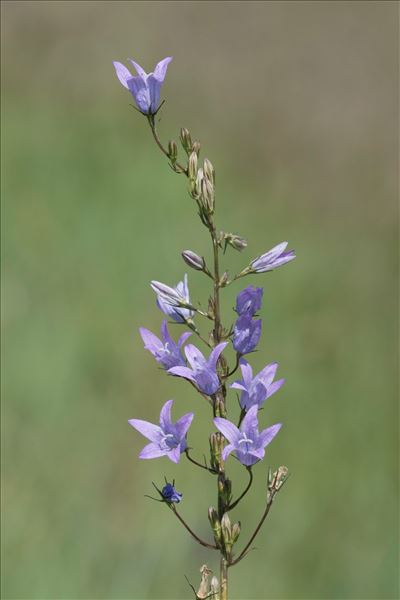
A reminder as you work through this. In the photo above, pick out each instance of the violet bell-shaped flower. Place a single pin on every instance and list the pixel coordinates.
(274, 258)
(165, 351)
(246, 334)
(170, 495)
(172, 301)
(256, 390)
(249, 301)
(247, 442)
(144, 87)
(203, 372)
(167, 439)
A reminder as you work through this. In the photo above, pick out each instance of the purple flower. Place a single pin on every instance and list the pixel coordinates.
(145, 88)
(246, 334)
(204, 371)
(255, 390)
(170, 494)
(246, 442)
(274, 258)
(249, 301)
(166, 352)
(171, 301)
(167, 439)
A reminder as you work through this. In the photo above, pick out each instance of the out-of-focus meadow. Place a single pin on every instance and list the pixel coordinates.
(295, 103)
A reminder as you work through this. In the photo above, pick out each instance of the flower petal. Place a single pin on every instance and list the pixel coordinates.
(123, 73)
(165, 416)
(228, 429)
(267, 435)
(184, 337)
(175, 454)
(140, 92)
(182, 425)
(152, 451)
(266, 376)
(249, 424)
(227, 450)
(194, 356)
(139, 70)
(183, 372)
(274, 387)
(161, 68)
(214, 356)
(149, 430)
(154, 90)
(151, 341)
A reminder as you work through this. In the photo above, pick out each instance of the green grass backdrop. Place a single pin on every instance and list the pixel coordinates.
(295, 104)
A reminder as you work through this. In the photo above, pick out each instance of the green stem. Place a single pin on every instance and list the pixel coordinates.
(223, 576)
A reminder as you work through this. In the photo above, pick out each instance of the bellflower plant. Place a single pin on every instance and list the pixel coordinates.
(234, 434)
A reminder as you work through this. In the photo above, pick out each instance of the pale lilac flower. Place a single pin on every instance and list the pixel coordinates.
(256, 390)
(249, 301)
(165, 351)
(204, 371)
(246, 334)
(167, 439)
(274, 258)
(246, 442)
(144, 87)
(172, 301)
(170, 494)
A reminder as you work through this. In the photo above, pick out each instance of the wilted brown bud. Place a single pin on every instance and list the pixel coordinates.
(224, 279)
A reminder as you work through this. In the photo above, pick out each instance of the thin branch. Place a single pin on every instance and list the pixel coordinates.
(235, 368)
(236, 502)
(192, 460)
(196, 537)
(153, 128)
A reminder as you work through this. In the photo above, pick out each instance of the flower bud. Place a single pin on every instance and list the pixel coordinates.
(216, 447)
(186, 140)
(196, 147)
(172, 151)
(226, 528)
(192, 166)
(209, 171)
(237, 242)
(235, 532)
(224, 279)
(215, 524)
(193, 260)
(207, 195)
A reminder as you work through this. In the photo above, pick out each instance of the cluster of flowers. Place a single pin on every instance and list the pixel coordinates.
(168, 438)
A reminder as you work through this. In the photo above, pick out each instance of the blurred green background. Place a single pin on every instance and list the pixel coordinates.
(296, 105)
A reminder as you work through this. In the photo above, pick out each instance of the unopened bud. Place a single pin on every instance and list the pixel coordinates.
(209, 170)
(235, 532)
(196, 147)
(237, 242)
(226, 528)
(224, 279)
(216, 447)
(186, 140)
(207, 195)
(215, 524)
(172, 151)
(193, 260)
(192, 166)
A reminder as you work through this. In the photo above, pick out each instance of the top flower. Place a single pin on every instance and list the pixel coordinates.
(145, 87)
(276, 257)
